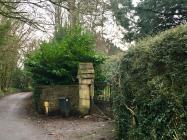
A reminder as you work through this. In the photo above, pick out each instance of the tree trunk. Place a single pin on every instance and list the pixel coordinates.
(73, 15)
(58, 16)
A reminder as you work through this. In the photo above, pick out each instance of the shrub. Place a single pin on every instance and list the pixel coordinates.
(110, 70)
(21, 80)
(153, 80)
(57, 62)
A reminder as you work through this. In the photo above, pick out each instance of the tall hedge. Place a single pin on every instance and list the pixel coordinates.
(154, 87)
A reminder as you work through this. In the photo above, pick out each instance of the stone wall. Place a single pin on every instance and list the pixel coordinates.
(51, 94)
(80, 96)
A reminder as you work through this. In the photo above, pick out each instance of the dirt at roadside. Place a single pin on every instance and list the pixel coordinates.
(78, 128)
(92, 127)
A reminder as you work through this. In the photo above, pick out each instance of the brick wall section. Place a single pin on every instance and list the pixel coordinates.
(53, 93)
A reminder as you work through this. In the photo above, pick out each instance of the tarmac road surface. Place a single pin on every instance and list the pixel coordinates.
(13, 123)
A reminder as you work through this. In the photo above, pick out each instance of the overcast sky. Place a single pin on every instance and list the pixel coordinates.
(111, 30)
(114, 32)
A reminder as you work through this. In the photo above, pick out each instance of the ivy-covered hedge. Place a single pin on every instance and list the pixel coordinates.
(154, 87)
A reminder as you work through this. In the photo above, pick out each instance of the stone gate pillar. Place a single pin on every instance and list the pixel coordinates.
(86, 86)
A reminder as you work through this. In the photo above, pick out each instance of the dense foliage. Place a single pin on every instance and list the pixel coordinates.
(57, 62)
(149, 16)
(21, 80)
(9, 44)
(111, 68)
(153, 81)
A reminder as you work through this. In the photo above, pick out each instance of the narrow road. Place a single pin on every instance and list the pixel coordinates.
(13, 123)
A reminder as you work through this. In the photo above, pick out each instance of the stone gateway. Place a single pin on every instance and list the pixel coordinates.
(80, 96)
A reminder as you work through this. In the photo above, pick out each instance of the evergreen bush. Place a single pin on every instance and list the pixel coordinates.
(56, 62)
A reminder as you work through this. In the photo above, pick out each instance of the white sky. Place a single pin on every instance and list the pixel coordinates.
(135, 2)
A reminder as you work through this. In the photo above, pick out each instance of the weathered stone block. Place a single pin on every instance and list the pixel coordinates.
(86, 81)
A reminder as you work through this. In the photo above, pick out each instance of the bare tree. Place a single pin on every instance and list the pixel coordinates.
(14, 43)
(16, 9)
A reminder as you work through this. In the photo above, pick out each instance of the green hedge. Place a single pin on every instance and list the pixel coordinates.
(153, 82)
